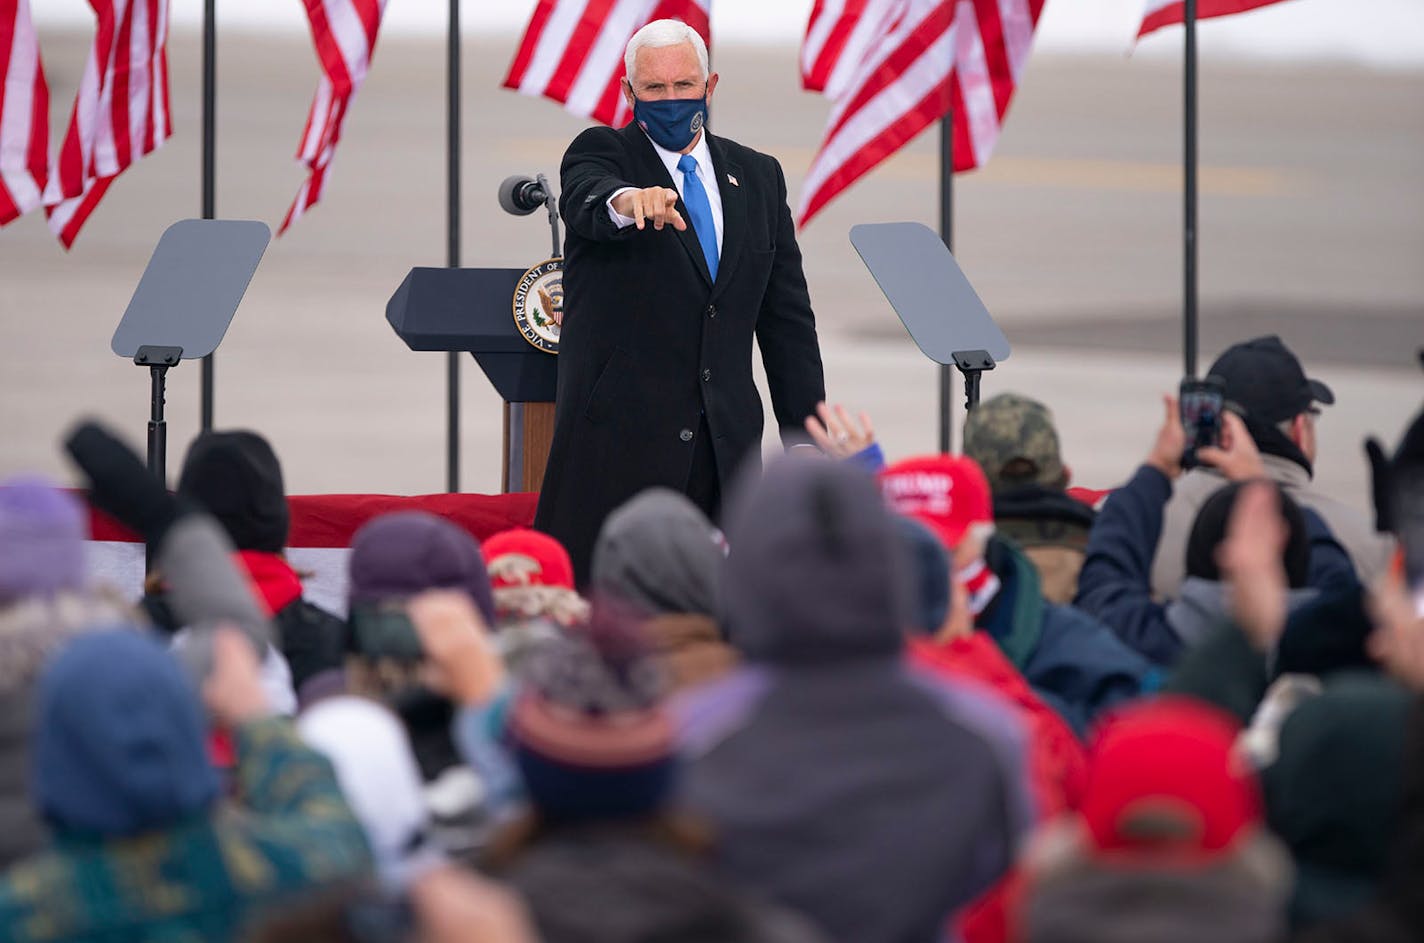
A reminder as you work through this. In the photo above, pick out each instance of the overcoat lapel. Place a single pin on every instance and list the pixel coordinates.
(734, 213)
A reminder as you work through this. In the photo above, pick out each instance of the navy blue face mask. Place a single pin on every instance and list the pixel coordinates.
(672, 123)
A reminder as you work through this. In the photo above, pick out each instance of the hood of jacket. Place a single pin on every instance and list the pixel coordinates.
(119, 743)
(815, 573)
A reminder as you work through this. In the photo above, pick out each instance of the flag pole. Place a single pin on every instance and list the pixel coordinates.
(946, 232)
(209, 173)
(452, 239)
(1189, 190)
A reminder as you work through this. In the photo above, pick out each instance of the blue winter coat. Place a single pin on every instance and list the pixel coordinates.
(1073, 661)
(1115, 582)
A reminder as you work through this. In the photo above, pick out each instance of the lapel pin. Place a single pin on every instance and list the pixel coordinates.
(732, 180)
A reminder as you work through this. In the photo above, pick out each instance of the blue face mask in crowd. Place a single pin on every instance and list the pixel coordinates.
(672, 123)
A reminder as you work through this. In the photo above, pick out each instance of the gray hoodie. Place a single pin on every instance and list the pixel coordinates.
(840, 783)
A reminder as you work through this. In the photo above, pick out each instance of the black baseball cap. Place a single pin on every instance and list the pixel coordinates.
(1266, 381)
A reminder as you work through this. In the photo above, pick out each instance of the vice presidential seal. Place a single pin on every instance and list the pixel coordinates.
(539, 304)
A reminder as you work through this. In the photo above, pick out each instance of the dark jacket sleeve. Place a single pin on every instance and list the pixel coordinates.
(1085, 668)
(1330, 566)
(786, 330)
(1223, 669)
(591, 172)
(1115, 584)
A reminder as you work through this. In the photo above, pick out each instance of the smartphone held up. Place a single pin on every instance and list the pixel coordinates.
(1201, 403)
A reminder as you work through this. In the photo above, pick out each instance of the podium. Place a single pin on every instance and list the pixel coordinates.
(444, 309)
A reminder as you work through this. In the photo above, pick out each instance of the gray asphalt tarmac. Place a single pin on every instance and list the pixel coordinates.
(1312, 226)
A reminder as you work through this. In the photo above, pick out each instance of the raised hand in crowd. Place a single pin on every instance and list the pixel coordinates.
(1398, 639)
(1237, 458)
(1166, 453)
(461, 664)
(837, 434)
(1251, 564)
(233, 690)
(454, 906)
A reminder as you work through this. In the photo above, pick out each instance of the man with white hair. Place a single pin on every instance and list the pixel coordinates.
(680, 248)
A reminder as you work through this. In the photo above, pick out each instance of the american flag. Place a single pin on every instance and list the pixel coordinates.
(24, 113)
(120, 113)
(344, 33)
(1159, 13)
(572, 50)
(894, 67)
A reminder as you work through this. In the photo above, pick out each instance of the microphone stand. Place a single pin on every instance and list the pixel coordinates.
(553, 209)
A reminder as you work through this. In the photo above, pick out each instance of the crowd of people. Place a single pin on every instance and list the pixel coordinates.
(935, 698)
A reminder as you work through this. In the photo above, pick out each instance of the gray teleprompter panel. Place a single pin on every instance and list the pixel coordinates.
(928, 290)
(192, 286)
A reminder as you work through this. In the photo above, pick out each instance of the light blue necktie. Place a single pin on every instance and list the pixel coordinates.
(694, 197)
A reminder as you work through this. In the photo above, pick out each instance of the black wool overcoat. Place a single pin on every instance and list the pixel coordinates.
(649, 343)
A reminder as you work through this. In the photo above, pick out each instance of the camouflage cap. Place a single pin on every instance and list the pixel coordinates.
(1013, 439)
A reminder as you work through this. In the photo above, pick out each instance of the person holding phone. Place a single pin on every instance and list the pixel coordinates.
(1114, 584)
(1264, 384)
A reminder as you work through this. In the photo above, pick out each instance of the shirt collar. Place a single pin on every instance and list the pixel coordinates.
(700, 152)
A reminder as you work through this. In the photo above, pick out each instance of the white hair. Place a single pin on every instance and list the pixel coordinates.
(661, 33)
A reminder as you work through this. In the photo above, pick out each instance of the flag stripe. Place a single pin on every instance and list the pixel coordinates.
(527, 45)
(24, 114)
(915, 35)
(572, 50)
(862, 38)
(344, 36)
(971, 70)
(580, 46)
(121, 111)
(927, 57)
(1160, 13)
(606, 56)
(881, 124)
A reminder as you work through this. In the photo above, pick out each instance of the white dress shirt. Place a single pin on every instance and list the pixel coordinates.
(705, 173)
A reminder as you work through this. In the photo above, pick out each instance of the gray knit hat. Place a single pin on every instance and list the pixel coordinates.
(659, 553)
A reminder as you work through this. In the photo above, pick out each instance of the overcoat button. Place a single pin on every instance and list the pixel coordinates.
(685, 435)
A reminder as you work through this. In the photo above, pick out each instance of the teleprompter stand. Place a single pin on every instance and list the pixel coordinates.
(933, 297)
(183, 305)
(972, 364)
(157, 360)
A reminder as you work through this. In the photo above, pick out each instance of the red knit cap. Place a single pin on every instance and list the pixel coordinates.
(948, 493)
(523, 557)
(1162, 775)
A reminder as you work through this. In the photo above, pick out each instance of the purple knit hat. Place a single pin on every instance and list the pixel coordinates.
(42, 534)
(396, 556)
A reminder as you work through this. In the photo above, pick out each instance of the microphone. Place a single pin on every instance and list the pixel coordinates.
(521, 195)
